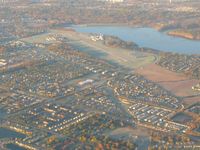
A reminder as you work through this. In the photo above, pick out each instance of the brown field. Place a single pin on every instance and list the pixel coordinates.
(177, 83)
(139, 131)
(190, 101)
(181, 88)
(158, 74)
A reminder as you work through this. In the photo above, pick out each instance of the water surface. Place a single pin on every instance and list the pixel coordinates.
(14, 147)
(146, 37)
(6, 133)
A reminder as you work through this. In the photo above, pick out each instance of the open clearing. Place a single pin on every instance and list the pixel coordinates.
(139, 131)
(179, 84)
(124, 57)
(41, 38)
(192, 100)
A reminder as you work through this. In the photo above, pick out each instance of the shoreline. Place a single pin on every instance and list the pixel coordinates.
(138, 49)
(167, 32)
(143, 47)
(182, 35)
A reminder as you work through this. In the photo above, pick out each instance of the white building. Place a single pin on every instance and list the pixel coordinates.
(114, 1)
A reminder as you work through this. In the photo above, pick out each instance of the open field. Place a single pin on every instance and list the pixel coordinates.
(124, 57)
(139, 131)
(192, 100)
(41, 38)
(159, 74)
(182, 88)
(179, 84)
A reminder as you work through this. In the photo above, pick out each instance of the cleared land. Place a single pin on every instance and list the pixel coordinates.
(158, 74)
(42, 38)
(177, 83)
(124, 57)
(139, 131)
(192, 100)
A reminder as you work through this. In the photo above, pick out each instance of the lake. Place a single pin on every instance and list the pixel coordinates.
(146, 37)
(14, 147)
(6, 133)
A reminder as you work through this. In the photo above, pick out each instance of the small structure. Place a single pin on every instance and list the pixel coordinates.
(88, 81)
(197, 87)
(2, 62)
(97, 37)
